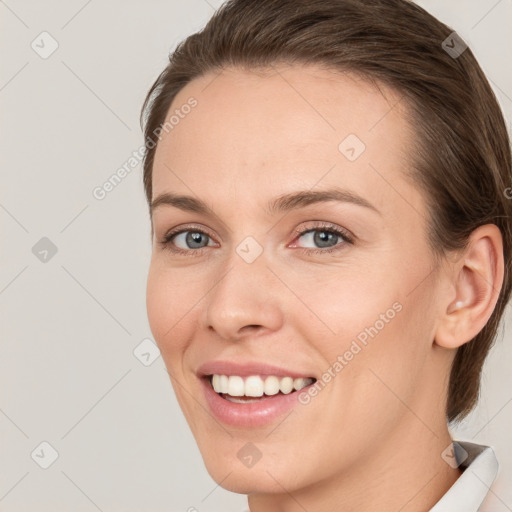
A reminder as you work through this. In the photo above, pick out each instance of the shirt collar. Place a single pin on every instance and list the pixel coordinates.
(480, 467)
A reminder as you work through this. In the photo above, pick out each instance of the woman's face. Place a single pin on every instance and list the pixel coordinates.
(336, 288)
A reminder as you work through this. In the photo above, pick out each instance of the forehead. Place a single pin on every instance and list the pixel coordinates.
(285, 127)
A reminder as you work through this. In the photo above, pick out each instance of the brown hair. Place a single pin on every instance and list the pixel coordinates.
(462, 161)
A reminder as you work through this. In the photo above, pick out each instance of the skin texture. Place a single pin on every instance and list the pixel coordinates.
(375, 433)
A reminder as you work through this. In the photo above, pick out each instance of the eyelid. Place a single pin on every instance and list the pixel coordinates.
(326, 226)
(165, 242)
(346, 236)
(187, 227)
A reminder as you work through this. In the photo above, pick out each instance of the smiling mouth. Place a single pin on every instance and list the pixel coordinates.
(254, 388)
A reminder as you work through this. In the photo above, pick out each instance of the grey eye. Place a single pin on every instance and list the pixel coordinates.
(321, 238)
(191, 240)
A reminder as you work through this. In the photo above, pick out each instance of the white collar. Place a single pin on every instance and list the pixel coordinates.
(480, 467)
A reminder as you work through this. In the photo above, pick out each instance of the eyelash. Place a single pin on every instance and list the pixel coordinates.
(324, 227)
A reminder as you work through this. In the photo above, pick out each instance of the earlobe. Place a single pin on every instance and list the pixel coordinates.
(477, 278)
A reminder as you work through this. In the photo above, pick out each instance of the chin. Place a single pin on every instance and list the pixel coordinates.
(238, 466)
(263, 478)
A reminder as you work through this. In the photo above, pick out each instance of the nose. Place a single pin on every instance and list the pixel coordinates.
(246, 301)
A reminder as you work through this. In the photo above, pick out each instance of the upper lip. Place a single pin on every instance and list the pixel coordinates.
(246, 369)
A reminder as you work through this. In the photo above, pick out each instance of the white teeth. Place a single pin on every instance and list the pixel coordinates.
(255, 386)
(286, 385)
(301, 383)
(223, 384)
(215, 383)
(271, 386)
(236, 386)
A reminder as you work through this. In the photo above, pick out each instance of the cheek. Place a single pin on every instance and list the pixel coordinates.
(170, 301)
(346, 305)
(376, 326)
(158, 305)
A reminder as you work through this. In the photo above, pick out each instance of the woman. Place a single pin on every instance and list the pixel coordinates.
(330, 251)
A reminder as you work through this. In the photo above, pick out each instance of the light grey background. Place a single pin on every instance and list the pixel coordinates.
(68, 374)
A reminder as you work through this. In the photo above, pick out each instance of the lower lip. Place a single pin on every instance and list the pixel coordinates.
(253, 414)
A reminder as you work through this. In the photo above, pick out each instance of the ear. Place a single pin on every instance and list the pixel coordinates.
(477, 278)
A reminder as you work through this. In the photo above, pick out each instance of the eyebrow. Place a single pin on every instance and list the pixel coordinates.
(283, 203)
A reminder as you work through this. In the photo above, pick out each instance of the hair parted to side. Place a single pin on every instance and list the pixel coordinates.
(462, 158)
